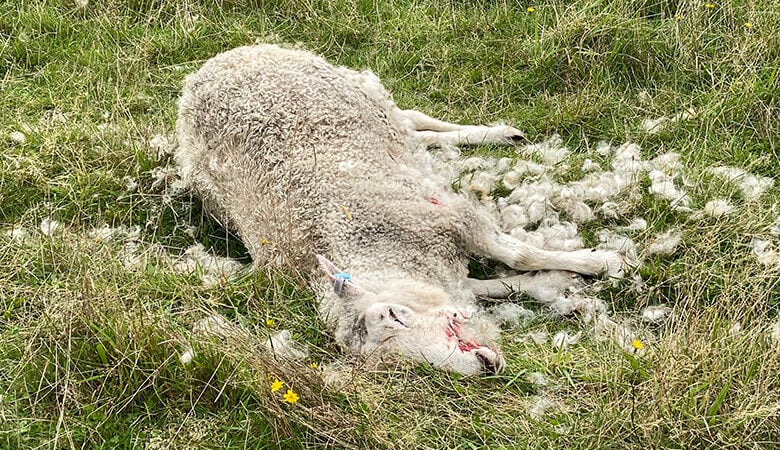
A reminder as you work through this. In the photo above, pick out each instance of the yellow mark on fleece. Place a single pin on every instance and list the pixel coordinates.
(346, 212)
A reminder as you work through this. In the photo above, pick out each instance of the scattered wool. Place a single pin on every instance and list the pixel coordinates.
(668, 163)
(587, 307)
(537, 337)
(627, 159)
(163, 176)
(212, 266)
(562, 340)
(774, 333)
(603, 148)
(550, 151)
(665, 243)
(540, 406)
(656, 313)
(187, 356)
(514, 216)
(515, 177)
(475, 163)
(589, 166)
(609, 210)
(765, 253)
(653, 126)
(16, 233)
(662, 185)
(49, 226)
(448, 153)
(81, 3)
(282, 346)
(161, 145)
(511, 314)
(735, 329)
(17, 137)
(130, 183)
(106, 233)
(774, 229)
(638, 224)
(718, 208)
(606, 328)
(538, 379)
(638, 284)
(503, 164)
(750, 185)
(481, 183)
(617, 243)
(130, 258)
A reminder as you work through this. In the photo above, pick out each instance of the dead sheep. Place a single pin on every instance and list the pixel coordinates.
(317, 170)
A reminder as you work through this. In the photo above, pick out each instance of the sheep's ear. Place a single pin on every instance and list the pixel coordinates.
(342, 283)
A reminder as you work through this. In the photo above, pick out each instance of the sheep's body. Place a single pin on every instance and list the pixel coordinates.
(301, 157)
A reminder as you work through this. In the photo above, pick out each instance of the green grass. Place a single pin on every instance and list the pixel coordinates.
(89, 350)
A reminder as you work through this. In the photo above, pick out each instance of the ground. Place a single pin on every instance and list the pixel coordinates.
(94, 325)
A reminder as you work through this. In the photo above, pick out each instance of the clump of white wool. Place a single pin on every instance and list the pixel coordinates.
(664, 243)
(750, 185)
(615, 242)
(637, 224)
(16, 233)
(563, 340)
(511, 314)
(17, 137)
(606, 328)
(551, 151)
(106, 233)
(539, 406)
(718, 208)
(654, 126)
(49, 226)
(765, 252)
(774, 333)
(214, 269)
(538, 379)
(282, 345)
(656, 313)
(662, 185)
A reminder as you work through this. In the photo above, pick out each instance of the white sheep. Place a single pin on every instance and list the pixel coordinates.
(304, 158)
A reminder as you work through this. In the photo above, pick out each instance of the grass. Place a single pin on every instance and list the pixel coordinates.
(89, 350)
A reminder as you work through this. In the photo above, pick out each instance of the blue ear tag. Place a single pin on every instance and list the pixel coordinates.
(338, 281)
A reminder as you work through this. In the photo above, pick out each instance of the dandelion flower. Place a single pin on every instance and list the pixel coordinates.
(314, 365)
(678, 16)
(270, 323)
(748, 25)
(531, 9)
(709, 5)
(290, 396)
(263, 241)
(276, 385)
(637, 344)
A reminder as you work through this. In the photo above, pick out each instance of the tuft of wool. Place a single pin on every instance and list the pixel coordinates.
(16, 233)
(668, 163)
(664, 243)
(282, 345)
(638, 224)
(624, 245)
(215, 269)
(49, 226)
(765, 252)
(551, 152)
(538, 379)
(511, 314)
(589, 166)
(17, 137)
(481, 183)
(774, 333)
(539, 406)
(656, 313)
(562, 339)
(106, 233)
(718, 208)
(750, 185)
(662, 185)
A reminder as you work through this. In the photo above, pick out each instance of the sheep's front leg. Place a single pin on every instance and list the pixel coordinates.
(438, 133)
(543, 286)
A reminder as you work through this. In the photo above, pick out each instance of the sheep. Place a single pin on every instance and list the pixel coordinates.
(317, 170)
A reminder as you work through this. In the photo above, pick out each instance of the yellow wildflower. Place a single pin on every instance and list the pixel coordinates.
(531, 9)
(276, 385)
(314, 365)
(748, 25)
(263, 241)
(270, 323)
(709, 5)
(678, 16)
(290, 396)
(637, 344)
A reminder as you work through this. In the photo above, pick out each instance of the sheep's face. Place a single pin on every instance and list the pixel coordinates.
(418, 321)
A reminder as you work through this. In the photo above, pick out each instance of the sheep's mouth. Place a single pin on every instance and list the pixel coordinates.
(453, 333)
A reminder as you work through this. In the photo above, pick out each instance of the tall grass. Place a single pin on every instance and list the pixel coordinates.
(89, 350)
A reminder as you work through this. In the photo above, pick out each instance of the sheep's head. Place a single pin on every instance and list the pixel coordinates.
(413, 319)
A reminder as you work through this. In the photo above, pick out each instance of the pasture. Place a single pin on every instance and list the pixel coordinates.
(100, 284)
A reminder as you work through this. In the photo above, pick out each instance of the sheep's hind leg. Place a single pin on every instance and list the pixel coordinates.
(438, 133)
